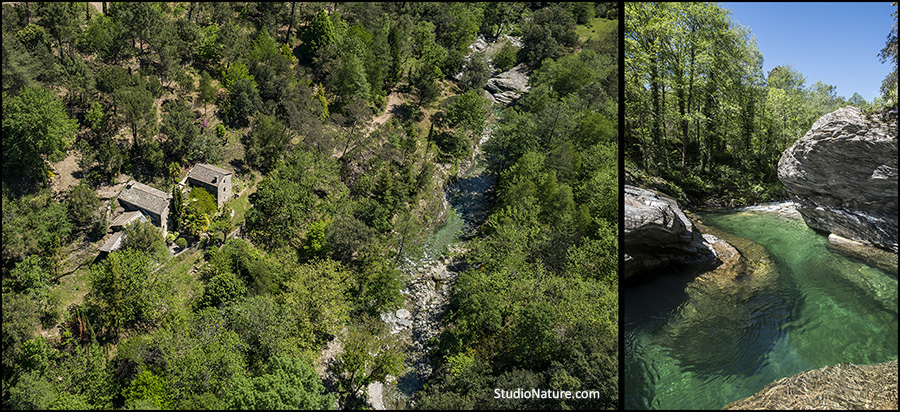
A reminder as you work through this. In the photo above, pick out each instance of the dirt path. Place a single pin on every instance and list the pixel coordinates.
(393, 100)
(63, 171)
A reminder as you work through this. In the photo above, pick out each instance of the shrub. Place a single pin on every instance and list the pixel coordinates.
(181, 243)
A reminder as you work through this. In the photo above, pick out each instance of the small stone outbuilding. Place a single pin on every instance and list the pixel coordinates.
(152, 202)
(215, 180)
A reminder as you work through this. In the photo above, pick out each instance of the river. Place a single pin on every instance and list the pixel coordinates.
(793, 306)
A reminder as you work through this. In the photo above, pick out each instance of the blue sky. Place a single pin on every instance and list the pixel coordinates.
(837, 43)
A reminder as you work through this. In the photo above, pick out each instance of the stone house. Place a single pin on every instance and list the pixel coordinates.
(152, 202)
(215, 180)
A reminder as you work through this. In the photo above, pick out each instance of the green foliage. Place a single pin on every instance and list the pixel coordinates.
(475, 73)
(209, 50)
(200, 199)
(33, 225)
(288, 383)
(181, 242)
(126, 292)
(889, 54)
(222, 289)
(20, 321)
(369, 356)
(266, 142)
(195, 355)
(149, 389)
(243, 101)
(30, 277)
(36, 131)
(713, 108)
(207, 91)
(548, 35)
(146, 238)
(290, 198)
(180, 127)
(136, 104)
(505, 58)
(317, 34)
(221, 131)
(235, 72)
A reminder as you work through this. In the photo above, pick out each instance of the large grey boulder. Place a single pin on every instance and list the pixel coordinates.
(508, 86)
(843, 176)
(657, 233)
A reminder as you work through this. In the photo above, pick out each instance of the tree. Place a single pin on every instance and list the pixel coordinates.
(20, 321)
(318, 33)
(222, 289)
(505, 58)
(147, 389)
(475, 73)
(547, 35)
(209, 51)
(288, 383)
(146, 238)
(83, 206)
(207, 93)
(266, 143)
(317, 298)
(369, 356)
(126, 292)
(180, 128)
(889, 54)
(136, 103)
(36, 131)
(243, 102)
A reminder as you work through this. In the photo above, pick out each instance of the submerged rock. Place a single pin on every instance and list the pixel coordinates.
(657, 233)
(881, 259)
(841, 386)
(843, 176)
(723, 302)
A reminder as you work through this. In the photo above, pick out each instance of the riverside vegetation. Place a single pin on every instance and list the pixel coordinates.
(702, 119)
(342, 123)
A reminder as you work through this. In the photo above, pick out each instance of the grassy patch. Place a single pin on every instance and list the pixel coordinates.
(595, 29)
(186, 286)
(241, 205)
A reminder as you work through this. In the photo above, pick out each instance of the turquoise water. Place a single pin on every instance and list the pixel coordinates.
(694, 348)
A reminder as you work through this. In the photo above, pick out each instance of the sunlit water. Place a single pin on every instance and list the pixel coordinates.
(813, 308)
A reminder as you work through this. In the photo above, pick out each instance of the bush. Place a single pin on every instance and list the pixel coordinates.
(181, 243)
(505, 59)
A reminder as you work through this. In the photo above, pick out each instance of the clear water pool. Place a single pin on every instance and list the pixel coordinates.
(796, 306)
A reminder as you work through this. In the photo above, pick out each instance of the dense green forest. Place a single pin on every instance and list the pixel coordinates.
(702, 119)
(342, 124)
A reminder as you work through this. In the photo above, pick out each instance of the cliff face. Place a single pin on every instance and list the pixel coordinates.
(843, 176)
(842, 386)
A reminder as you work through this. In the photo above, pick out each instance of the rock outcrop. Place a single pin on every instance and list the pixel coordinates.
(841, 386)
(508, 86)
(843, 176)
(657, 233)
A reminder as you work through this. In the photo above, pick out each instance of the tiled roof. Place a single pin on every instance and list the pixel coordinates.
(127, 218)
(145, 197)
(114, 242)
(208, 174)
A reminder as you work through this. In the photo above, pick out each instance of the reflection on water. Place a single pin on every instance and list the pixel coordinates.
(702, 340)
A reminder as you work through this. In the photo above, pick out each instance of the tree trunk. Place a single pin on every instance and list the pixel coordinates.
(287, 37)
